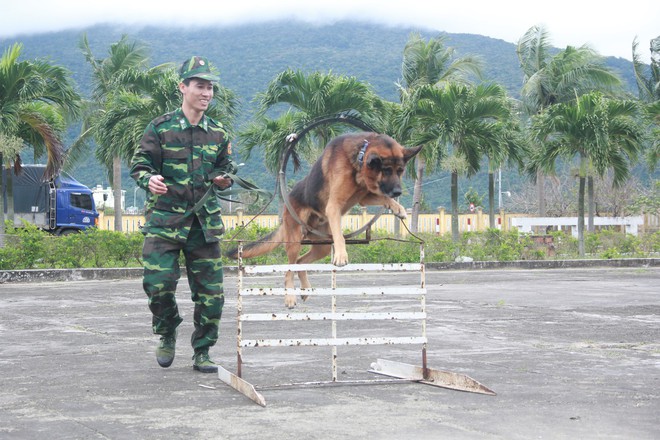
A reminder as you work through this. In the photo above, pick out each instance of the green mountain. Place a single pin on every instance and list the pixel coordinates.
(250, 56)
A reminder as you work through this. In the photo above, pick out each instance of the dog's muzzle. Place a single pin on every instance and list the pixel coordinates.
(392, 191)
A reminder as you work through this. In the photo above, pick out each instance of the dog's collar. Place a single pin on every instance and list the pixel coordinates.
(360, 158)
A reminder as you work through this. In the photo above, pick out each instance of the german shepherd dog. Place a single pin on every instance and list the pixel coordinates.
(357, 168)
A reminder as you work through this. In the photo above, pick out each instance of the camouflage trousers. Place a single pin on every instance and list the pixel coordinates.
(205, 278)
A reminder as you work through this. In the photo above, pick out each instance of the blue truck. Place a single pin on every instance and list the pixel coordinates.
(61, 205)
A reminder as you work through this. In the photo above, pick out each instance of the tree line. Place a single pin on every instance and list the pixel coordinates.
(571, 108)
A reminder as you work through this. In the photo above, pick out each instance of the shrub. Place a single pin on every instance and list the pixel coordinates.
(10, 256)
(24, 247)
(29, 247)
(95, 248)
(610, 253)
(440, 248)
(624, 243)
(566, 246)
(651, 243)
(592, 242)
(251, 233)
(70, 251)
(384, 249)
(496, 245)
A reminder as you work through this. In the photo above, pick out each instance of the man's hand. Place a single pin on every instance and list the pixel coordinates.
(222, 182)
(156, 185)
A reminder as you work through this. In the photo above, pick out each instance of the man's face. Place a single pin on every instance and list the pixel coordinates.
(197, 95)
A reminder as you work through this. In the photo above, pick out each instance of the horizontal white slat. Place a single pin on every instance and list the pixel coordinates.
(279, 268)
(347, 316)
(322, 342)
(339, 291)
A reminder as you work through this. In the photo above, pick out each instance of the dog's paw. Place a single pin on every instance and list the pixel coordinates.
(290, 301)
(340, 259)
(396, 209)
(400, 212)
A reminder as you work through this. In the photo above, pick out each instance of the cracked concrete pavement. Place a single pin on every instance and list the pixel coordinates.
(571, 353)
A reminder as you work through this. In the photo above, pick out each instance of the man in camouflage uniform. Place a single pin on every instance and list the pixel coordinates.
(176, 161)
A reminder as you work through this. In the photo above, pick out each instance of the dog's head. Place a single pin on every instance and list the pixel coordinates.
(384, 164)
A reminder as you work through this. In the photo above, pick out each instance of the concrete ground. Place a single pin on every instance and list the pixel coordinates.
(571, 354)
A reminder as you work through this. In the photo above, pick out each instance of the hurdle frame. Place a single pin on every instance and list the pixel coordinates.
(395, 371)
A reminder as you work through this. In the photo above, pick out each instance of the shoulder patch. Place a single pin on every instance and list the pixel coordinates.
(163, 118)
(216, 123)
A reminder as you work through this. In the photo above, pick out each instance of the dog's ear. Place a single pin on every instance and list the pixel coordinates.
(374, 162)
(409, 153)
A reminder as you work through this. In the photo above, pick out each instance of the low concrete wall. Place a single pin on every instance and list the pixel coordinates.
(545, 264)
(42, 275)
(39, 275)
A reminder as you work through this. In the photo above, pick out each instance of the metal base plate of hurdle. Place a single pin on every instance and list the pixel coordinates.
(393, 370)
(398, 371)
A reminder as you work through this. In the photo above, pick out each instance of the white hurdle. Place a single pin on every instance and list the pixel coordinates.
(396, 371)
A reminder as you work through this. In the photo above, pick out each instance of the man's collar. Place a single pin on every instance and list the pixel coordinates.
(184, 123)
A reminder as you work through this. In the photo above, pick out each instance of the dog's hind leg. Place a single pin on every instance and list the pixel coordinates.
(317, 252)
(292, 251)
(292, 233)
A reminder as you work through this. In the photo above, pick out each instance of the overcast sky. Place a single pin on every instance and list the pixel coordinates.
(607, 28)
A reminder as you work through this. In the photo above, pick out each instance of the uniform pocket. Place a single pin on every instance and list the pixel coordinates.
(212, 206)
(175, 162)
(209, 158)
(168, 212)
(215, 225)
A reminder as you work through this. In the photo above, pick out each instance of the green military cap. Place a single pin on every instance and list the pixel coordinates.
(197, 67)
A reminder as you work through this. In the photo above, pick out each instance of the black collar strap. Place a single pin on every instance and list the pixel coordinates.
(360, 157)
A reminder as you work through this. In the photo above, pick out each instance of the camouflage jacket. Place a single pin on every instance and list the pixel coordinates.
(184, 155)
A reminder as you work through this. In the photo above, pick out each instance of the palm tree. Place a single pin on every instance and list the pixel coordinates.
(648, 86)
(268, 133)
(142, 96)
(36, 101)
(647, 77)
(300, 98)
(426, 64)
(653, 114)
(463, 118)
(602, 133)
(551, 79)
(506, 144)
(122, 55)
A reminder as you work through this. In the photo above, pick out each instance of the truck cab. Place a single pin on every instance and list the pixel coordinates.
(61, 205)
(75, 209)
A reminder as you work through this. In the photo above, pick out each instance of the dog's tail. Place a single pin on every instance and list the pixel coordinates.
(262, 246)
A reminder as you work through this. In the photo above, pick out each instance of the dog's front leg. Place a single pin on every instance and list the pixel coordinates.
(340, 256)
(387, 202)
(397, 208)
